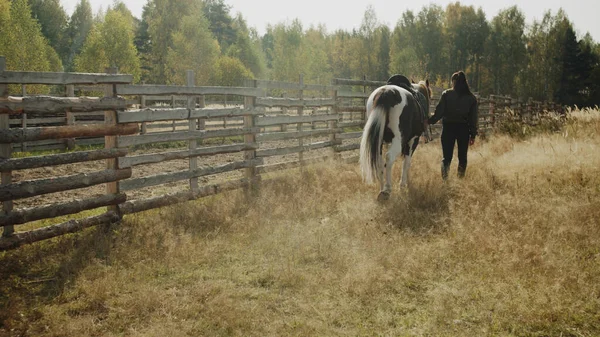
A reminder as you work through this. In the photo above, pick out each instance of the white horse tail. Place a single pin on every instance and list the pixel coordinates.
(372, 140)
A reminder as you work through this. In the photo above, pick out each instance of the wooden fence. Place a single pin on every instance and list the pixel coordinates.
(153, 156)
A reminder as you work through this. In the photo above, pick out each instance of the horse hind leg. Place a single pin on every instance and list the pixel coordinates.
(393, 151)
(412, 145)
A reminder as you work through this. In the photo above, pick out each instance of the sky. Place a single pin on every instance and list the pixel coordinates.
(348, 14)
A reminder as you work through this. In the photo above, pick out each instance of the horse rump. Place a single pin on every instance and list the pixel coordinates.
(384, 99)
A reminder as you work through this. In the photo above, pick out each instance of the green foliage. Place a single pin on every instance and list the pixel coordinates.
(246, 50)
(220, 22)
(506, 51)
(287, 51)
(79, 26)
(230, 71)
(110, 44)
(52, 18)
(23, 44)
(194, 48)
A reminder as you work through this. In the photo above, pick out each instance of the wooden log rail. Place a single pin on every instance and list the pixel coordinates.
(265, 84)
(18, 239)
(294, 102)
(24, 215)
(174, 155)
(294, 149)
(59, 159)
(31, 188)
(48, 104)
(126, 141)
(70, 131)
(292, 119)
(140, 205)
(128, 89)
(163, 178)
(168, 114)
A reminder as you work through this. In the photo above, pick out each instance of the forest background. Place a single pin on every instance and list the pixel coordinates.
(545, 60)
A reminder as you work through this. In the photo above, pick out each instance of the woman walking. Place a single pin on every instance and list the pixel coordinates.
(458, 111)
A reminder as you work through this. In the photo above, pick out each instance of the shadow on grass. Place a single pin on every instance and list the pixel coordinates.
(421, 210)
(40, 272)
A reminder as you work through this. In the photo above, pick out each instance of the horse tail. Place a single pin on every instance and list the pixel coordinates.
(372, 138)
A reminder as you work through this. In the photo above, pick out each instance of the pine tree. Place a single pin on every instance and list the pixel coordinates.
(78, 28)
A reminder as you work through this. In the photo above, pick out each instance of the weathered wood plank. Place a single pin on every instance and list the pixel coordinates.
(226, 112)
(351, 108)
(34, 121)
(282, 119)
(349, 135)
(153, 114)
(264, 137)
(30, 188)
(174, 155)
(351, 124)
(293, 149)
(294, 102)
(184, 90)
(292, 86)
(5, 153)
(59, 159)
(69, 131)
(353, 94)
(140, 205)
(24, 215)
(163, 178)
(125, 141)
(291, 164)
(343, 81)
(349, 147)
(71, 226)
(49, 104)
(33, 77)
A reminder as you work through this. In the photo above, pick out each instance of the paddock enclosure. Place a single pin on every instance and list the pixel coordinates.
(107, 148)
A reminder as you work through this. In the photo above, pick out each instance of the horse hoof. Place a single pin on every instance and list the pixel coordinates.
(383, 195)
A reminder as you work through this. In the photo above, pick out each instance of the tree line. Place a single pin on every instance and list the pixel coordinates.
(543, 61)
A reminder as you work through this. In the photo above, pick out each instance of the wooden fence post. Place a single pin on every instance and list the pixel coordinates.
(301, 113)
(493, 110)
(70, 117)
(24, 118)
(144, 128)
(201, 123)
(333, 125)
(284, 111)
(192, 143)
(249, 103)
(5, 153)
(111, 142)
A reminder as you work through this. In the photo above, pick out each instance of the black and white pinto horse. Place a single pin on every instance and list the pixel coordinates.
(395, 118)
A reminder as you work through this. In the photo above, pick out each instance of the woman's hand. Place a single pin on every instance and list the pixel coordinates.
(471, 141)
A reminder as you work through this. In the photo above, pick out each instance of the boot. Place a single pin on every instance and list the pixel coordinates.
(445, 169)
(462, 170)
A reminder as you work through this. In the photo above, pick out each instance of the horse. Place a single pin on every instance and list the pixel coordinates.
(395, 117)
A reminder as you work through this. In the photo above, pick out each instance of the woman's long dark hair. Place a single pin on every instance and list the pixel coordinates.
(460, 83)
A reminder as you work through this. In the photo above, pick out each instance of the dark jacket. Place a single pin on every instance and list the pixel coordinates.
(455, 109)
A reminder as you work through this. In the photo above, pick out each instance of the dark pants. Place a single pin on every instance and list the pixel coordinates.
(459, 134)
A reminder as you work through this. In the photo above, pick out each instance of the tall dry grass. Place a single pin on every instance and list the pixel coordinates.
(511, 250)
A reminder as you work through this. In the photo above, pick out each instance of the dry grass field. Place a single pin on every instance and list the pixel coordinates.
(511, 250)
